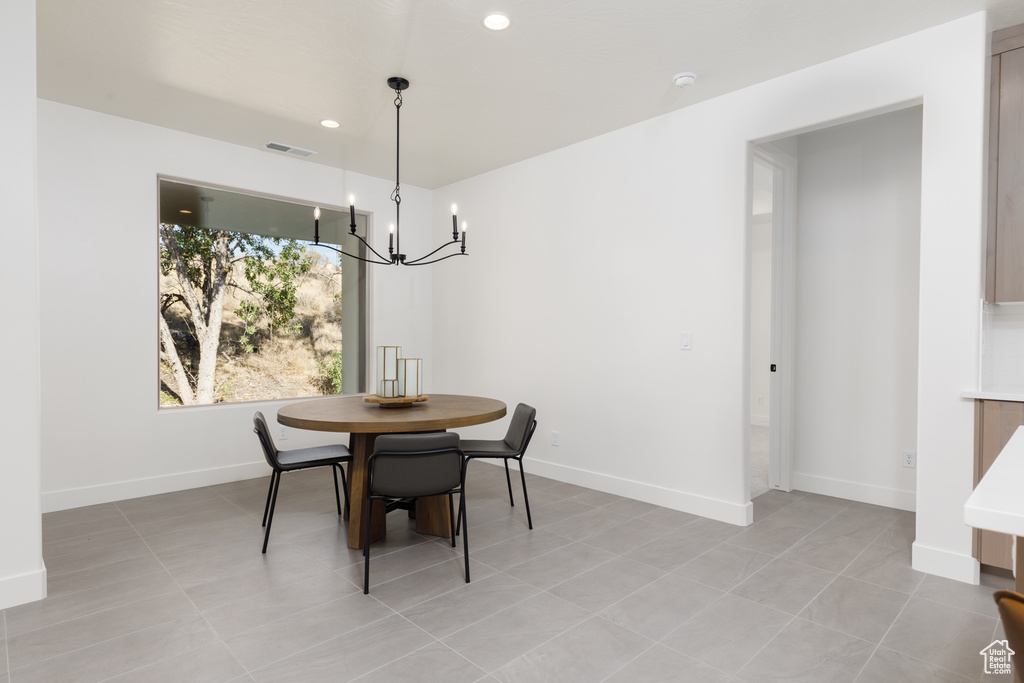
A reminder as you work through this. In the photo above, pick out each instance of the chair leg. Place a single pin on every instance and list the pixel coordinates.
(366, 548)
(465, 530)
(344, 486)
(270, 518)
(508, 480)
(462, 494)
(337, 496)
(451, 516)
(266, 508)
(458, 520)
(526, 496)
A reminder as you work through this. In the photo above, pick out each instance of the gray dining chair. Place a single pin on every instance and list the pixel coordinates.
(297, 459)
(512, 447)
(407, 466)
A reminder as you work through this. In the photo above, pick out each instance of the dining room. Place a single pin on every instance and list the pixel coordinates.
(644, 537)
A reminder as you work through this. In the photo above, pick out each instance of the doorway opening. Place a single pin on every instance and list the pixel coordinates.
(834, 276)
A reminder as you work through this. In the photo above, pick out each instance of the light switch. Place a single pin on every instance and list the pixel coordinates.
(687, 344)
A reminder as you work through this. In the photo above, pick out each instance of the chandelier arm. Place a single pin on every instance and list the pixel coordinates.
(358, 258)
(416, 261)
(421, 262)
(383, 259)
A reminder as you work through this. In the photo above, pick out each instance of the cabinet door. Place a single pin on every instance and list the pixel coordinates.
(1009, 237)
(997, 421)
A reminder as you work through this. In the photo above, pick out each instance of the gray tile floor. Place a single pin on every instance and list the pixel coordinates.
(173, 588)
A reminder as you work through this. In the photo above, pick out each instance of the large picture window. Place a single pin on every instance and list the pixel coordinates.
(249, 310)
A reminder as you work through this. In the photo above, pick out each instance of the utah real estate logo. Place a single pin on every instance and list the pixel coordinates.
(997, 658)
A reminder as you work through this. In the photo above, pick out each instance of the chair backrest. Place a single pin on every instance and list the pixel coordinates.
(520, 430)
(413, 465)
(1011, 610)
(263, 432)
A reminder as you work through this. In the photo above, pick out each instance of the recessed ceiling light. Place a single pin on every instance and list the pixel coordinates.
(327, 123)
(496, 21)
(185, 211)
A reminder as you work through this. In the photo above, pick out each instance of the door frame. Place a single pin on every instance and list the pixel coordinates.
(783, 314)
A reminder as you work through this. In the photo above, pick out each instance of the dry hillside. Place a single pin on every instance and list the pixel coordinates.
(283, 365)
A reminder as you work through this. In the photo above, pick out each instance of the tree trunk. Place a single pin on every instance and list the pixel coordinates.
(207, 314)
(169, 354)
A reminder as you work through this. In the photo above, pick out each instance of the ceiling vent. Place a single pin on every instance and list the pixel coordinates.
(288, 149)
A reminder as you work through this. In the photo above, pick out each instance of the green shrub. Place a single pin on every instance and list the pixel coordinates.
(328, 369)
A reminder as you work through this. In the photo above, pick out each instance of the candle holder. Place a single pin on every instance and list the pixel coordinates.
(387, 370)
(399, 380)
(410, 376)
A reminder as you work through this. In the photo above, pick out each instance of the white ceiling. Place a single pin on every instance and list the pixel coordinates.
(252, 71)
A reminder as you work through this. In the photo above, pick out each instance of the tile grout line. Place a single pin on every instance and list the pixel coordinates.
(837, 575)
(765, 646)
(185, 595)
(322, 642)
(878, 645)
(436, 641)
(515, 604)
(654, 644)
(88, 614)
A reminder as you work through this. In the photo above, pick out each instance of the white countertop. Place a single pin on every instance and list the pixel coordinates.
(1000, 394)
(997, 503)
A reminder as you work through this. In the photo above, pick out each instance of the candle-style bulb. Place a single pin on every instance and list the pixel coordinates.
(455, 208)
(352, 213)
(351, 200)
(316, 213)
(464, 226)
(391, 228)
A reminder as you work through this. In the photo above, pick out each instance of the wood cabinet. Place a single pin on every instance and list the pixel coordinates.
(1004, 258)
(994, 424)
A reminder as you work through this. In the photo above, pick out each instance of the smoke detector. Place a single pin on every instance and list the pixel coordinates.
(684, 78)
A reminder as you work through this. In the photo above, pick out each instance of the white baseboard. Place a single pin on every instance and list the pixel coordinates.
(134, 488)
(944, 563)
(23, 588)
(852, 490)
(733, 513)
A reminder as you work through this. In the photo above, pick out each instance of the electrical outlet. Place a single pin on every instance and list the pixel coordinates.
(910, 459)
(555, 438)
(760, 400)
(282, 433)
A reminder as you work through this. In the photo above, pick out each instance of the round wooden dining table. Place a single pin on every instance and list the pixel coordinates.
(364, 422)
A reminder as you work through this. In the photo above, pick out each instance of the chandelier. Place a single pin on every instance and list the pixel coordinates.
(395, 256)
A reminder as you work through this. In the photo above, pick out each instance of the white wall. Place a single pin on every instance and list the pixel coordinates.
(1002, 360)
(589, 262)
(857, 264)
(103, 436)
(22, 574)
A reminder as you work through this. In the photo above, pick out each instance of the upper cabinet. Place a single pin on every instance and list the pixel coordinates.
(1004, 279)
